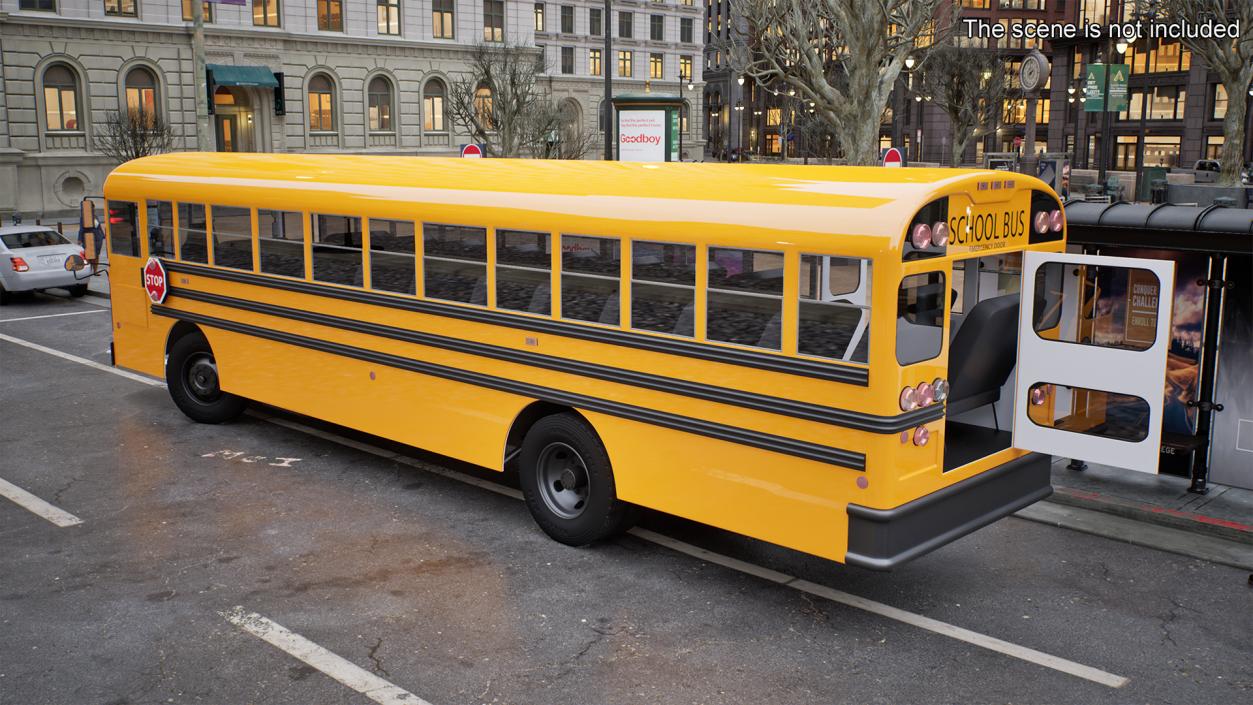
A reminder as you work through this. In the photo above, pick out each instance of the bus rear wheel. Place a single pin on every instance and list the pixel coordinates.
(191, 374)
(568, 483)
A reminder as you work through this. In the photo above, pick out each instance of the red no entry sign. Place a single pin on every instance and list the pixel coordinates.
(472, 151)
(155, 280)
(892, 157)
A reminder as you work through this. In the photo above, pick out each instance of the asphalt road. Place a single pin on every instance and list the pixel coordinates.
(192, 537)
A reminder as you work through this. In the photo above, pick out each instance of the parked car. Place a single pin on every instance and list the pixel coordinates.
(1206, 170)
(33, 257)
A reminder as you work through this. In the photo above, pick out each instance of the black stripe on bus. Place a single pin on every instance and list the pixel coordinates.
(770, 404)
(778, 444)
(730, 356)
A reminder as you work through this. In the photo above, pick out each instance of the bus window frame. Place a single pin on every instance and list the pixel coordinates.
(361, 250)
(698, 250)
(488, 236)
(867, 309)
(623, 291)
(212, 235)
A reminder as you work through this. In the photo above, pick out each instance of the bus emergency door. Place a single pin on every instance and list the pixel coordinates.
(1093, 337)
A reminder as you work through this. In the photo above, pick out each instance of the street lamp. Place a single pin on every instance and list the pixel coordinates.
(740, 80)
(739, 134)
(1121, 46)
(909, 62)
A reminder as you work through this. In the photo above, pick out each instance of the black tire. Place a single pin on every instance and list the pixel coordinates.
(4, 295)
(78, 290)
(590, 510)
(191, 376)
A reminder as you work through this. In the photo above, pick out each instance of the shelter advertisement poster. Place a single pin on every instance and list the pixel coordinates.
(642, 135)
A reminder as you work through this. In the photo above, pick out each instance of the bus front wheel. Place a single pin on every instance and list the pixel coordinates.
(191, 374)
(568, 483)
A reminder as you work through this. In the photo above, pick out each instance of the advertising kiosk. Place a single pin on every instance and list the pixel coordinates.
(647, 127)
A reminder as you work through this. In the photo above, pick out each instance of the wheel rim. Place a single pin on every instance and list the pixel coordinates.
(200, 376)
(563, 480)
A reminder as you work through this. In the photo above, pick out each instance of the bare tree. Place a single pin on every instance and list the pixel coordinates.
(134, 134)
(502, 102)
(717, 135)
(842, 56)
(1229, 57)
(969, 86)
(554, 132)
(817, 138)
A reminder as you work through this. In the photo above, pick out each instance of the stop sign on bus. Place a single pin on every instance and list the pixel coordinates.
(155, 280)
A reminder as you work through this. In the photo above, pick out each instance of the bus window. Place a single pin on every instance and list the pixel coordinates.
(455, 263)
(1091, 412)
(1119, 307)
(745, 303)
(523, 271)
(123, 226)
(1048, 295)
(160, 229)
(591, 271)
(663, 287)
(834, 308)
(337, 249)
(391, 256)
(193, 232)
(920, 317)
(281, 241)
(232, 237)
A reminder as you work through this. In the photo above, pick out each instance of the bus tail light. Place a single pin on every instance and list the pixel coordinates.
(940, 389)
(921, 436)
(939, 234)
(925, 394)
(1041, 222)
(909, 399)
(920, 237)
(1056, 221)
(19, 264)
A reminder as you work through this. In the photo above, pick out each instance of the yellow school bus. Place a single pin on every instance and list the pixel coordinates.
(817, 357)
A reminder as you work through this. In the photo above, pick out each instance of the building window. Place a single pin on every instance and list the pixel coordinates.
(1166, 103)
(61, 99)
(141, 94)
(745, 304)
(379, 96)
(321, 104)
(121, 8)
(1161, 151)
(483, 108)
(656, 27)
(389, 17)
(624, 64)
(567, 19)
(454, 263)
(685, 68)
(232, 237)
(265, 13)
(41, 5)
(567, 60)
(442, 15)
(337, 249)
(331, 15)
(523, 266)
(493, 20)
(1125, 153)
(1219, 102)
(625, 22)
(663, 287)
(392, 257)
(433, 106)
(593, 62)
(539, 17)
(281, 243)
(593, 22)
(685, 30)
(591, 272)
(1214, 146)
(656, 65)
(207, 11)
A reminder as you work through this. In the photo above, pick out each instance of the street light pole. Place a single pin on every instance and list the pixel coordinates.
(204, 136)
(605, 66)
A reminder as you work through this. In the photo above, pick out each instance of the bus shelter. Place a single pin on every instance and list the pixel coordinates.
(1207, 432)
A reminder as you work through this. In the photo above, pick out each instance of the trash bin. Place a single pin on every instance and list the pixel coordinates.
(1159, 192)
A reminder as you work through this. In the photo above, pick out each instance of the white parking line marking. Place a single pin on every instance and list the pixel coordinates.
(31, 503)
(83, 361)
(943, 628)
(337, 667)
(50, 315)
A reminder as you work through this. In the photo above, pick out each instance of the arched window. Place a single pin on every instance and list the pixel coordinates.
(61, 98)
(379, 96)
(141, 93)
(483, 107)
(433, 106)
(321, 104)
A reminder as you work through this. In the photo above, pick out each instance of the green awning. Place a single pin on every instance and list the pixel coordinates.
(258, 76)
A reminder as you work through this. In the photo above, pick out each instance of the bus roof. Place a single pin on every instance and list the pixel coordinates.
(867, 202)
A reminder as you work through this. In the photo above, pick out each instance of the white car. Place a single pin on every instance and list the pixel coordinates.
(33, 257)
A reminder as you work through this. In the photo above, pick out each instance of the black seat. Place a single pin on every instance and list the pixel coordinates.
(982, 354)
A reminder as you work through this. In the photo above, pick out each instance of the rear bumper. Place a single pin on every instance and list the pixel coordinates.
(881, 539)
(43, 279)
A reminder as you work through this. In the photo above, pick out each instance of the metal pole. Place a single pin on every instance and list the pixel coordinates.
(1105, 149)
(204, 136)
(606, 65)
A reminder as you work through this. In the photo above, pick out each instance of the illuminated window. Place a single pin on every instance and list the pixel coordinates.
(379, 96)
(265, 13)
(141, 94)
(493, 20)
(207, 7)
(331, 15)
(321, 104)
(593, 62)
(121, 8)
(433, 106)
(624, 64)
(656, 66)
(483, 109)
(442, 15)
(389, 17)
(60, 98)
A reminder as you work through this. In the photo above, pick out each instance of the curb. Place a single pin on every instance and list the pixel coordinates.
(97, 294)
(1154, 514)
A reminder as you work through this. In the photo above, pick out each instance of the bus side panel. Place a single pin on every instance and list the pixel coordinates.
(777, 498)
(462, 421)
(138, 345)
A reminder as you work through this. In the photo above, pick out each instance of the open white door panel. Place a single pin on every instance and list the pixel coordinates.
(1093, 334)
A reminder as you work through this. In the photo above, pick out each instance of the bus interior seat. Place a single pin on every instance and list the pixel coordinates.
(685, 324)
(611, 313)
(541, 300)
(479, 294)
(772, 335)
(983, 354)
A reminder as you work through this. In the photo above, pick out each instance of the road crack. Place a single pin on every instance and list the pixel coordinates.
(378, 663)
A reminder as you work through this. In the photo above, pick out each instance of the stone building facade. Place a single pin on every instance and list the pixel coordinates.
(357, 76)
